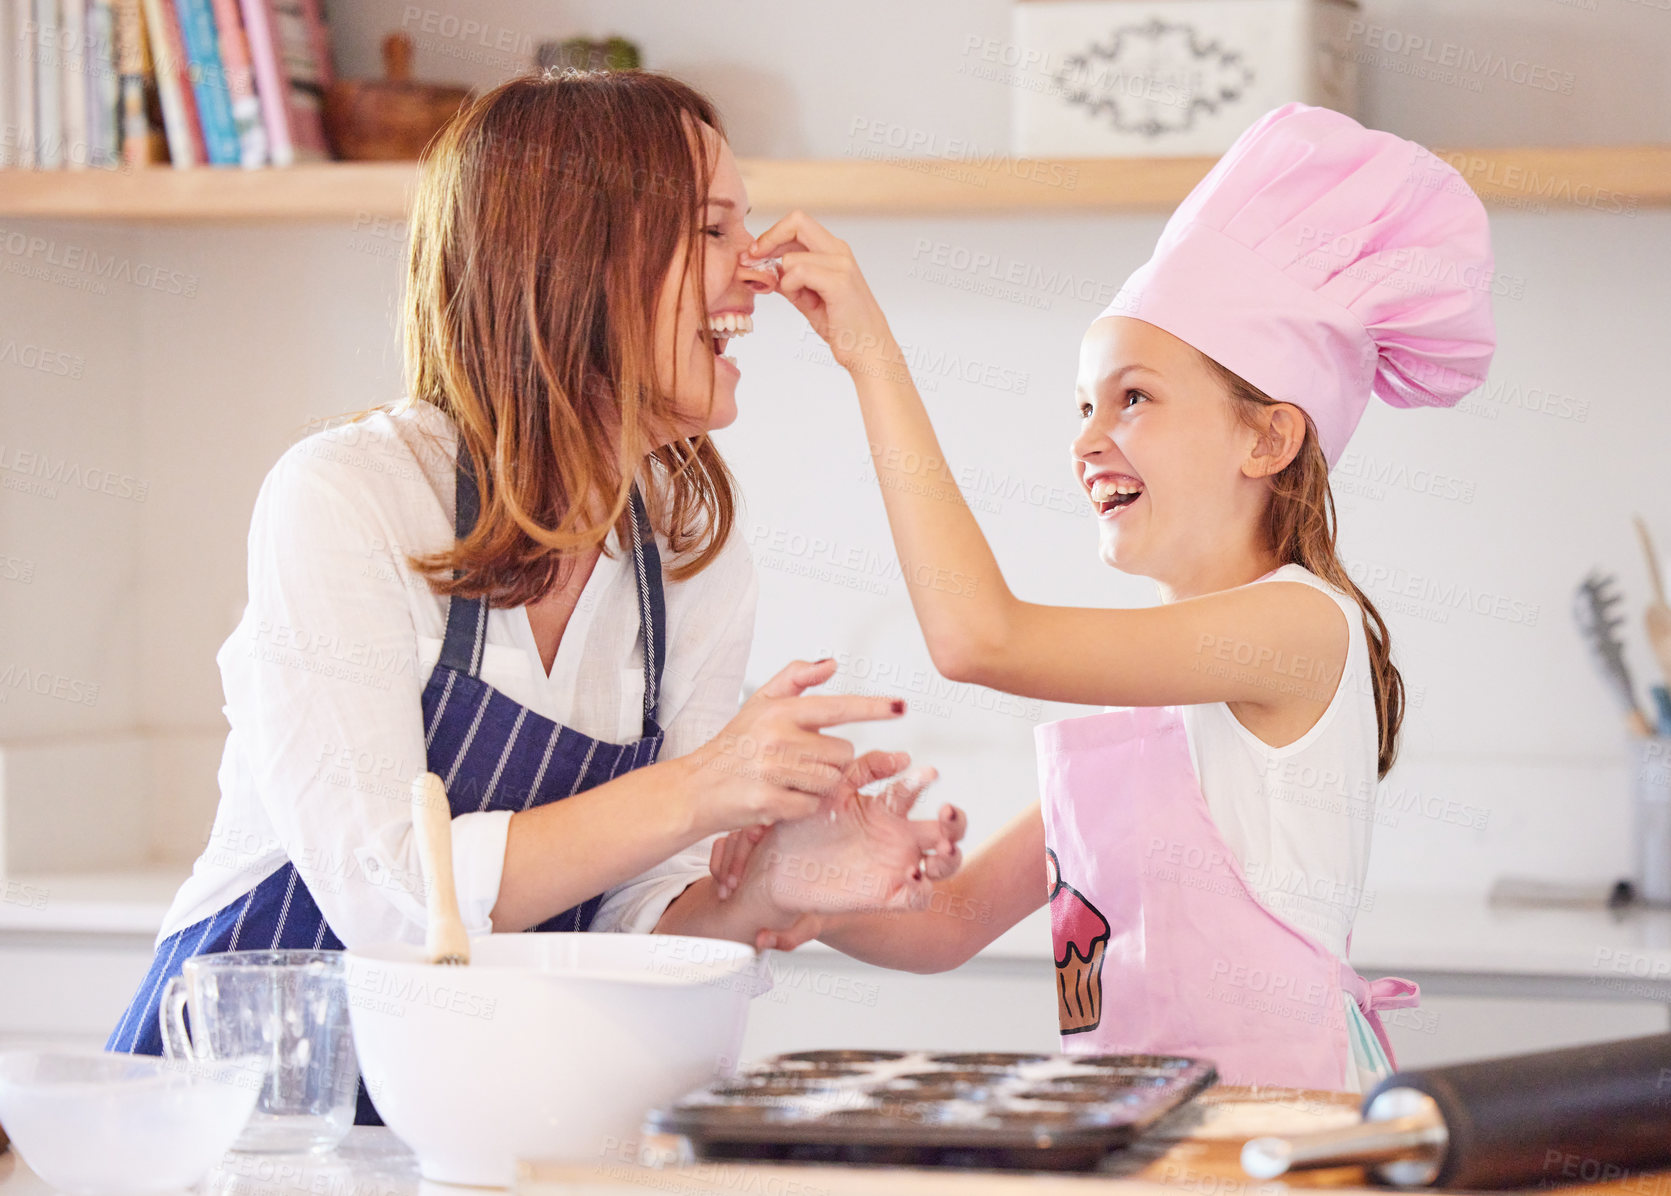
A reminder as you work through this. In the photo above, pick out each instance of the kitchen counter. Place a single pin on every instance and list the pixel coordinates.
(371, 1162)
(1197, 1151)
(1495, 978)
(74, 945)
(1610, 953)
(131, 902)
(1465, 944)
(1464, 934)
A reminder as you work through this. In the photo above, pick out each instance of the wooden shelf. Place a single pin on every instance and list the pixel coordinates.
(336, 191)
(1606, 178)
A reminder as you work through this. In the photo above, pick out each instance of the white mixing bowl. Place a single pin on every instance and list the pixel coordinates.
(98, 1123)
(546, 1046)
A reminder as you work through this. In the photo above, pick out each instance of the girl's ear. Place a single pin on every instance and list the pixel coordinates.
(1281, 436)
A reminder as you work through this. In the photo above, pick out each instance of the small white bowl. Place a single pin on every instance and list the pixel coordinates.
(546, 1046)
(96, 1122)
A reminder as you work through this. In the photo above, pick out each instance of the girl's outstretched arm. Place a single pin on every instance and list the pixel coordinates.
(1001, 884)
(955, 584)
(1279, 645)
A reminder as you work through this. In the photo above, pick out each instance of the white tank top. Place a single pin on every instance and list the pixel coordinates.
(1299, 817)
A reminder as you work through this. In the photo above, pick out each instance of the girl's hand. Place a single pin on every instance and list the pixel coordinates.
(772, 761)
(823, 281)
(730, 855)
(860, 852)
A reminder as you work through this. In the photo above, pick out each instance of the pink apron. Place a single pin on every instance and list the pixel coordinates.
(1161, 947)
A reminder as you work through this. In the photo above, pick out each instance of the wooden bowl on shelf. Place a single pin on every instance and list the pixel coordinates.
(390, 119)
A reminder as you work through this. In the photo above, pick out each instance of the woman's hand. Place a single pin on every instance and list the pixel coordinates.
(773, 761)
(860, 851)
(823, 281)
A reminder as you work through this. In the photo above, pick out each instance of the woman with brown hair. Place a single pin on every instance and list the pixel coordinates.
(523, 579)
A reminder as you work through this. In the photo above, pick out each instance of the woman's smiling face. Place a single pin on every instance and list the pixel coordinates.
(1160, 452)
(689, 363)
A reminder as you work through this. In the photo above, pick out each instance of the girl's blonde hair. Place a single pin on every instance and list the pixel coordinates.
(1300, 526)
(548, 213)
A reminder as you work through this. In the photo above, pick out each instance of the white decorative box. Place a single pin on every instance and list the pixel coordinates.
(1142, 78)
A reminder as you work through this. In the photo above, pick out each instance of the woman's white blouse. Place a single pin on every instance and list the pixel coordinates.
(324, 673)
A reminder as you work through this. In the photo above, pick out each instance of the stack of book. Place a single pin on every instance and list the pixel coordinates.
(127, 83)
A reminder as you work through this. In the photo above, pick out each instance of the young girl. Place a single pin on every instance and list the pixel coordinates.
(1204, 849)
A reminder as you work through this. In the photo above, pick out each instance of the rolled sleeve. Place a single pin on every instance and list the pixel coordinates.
(637, 906)
(478, 840)
(478, 864)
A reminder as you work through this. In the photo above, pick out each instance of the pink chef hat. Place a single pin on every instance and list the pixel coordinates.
(1322, 262)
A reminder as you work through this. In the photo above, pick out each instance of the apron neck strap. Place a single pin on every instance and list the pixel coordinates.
(466, 634)
(652, 609)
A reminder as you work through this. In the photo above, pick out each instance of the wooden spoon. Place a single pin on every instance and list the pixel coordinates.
(1658, 617)
(432, 824)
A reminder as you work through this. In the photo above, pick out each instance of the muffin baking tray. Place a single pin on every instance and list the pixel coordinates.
(917, 1108)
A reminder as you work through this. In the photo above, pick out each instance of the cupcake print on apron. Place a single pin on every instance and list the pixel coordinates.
(1081, 937)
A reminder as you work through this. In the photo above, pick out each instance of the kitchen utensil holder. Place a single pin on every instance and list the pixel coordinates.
(1651, 807)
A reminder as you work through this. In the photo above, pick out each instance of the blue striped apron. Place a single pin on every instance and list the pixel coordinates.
(491, 753)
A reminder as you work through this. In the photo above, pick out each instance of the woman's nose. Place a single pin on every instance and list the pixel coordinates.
(759, 277)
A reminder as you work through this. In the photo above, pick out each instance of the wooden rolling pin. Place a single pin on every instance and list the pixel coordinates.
(1584, 1114)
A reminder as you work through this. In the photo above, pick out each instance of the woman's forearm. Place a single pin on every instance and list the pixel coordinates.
(956, 587)
(561, 853)
(557, 855)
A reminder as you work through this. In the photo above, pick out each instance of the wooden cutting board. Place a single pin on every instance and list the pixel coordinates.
(1195, 1152)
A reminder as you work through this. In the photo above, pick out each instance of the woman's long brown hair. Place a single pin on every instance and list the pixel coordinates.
(1300, 525)
(548, 213)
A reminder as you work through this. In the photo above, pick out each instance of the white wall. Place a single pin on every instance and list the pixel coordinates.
(196, 393)
(69, 418)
